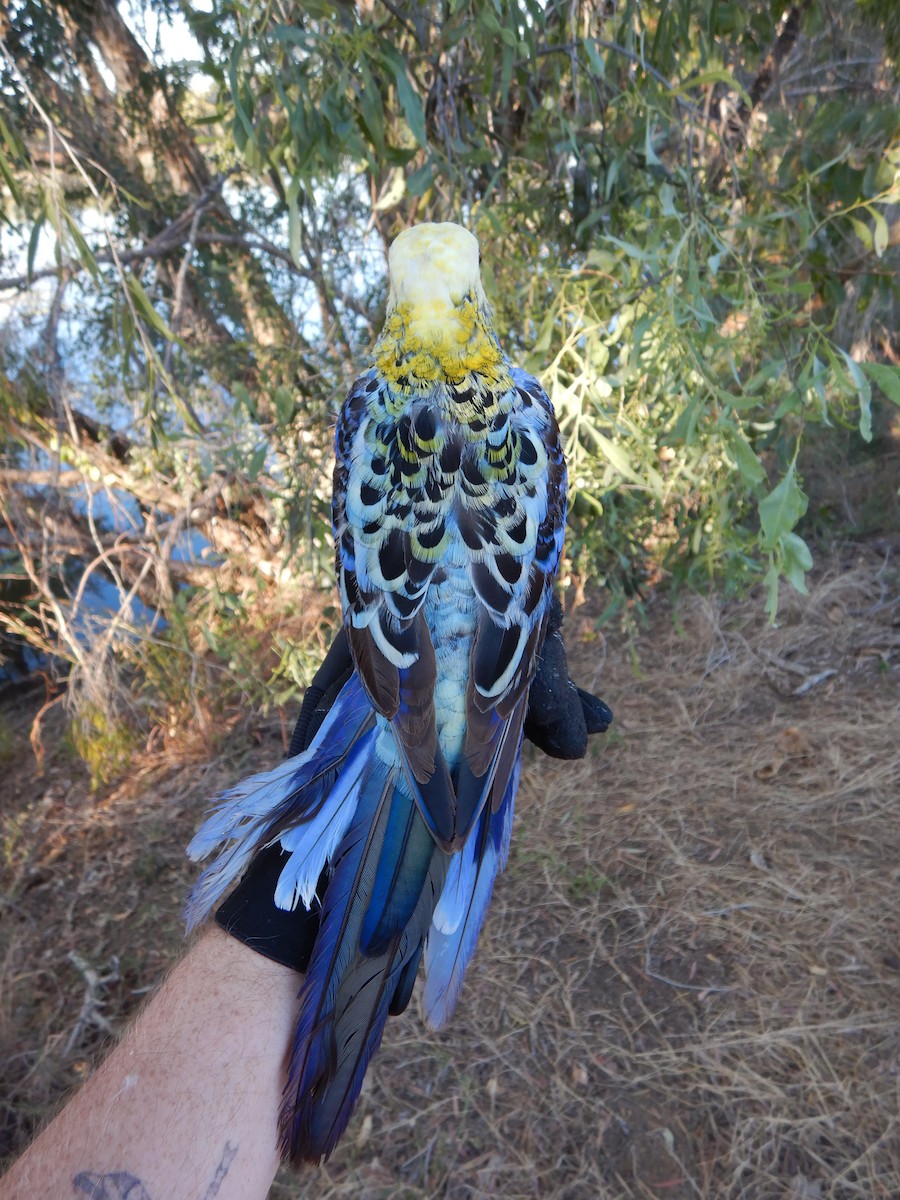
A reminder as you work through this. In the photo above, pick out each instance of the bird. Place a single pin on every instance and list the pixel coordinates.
(448, 512)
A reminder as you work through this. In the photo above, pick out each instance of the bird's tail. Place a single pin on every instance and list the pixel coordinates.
(338, 805)
(387, 874)
(463, 904)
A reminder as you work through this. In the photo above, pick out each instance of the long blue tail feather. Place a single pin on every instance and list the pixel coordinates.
(386, 876)
(406, 981)
(402, 868)
(391, 887)
(463, 906)
(457, 893)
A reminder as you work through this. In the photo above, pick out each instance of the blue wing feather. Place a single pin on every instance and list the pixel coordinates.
(255, 812)
(312, 843)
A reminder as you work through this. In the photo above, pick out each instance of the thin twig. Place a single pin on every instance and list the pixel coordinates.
(181, 281)
(568, 47)
(90, 1014)
(813, 681)
(411, 29)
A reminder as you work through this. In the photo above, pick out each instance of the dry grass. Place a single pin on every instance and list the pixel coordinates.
(689, 984)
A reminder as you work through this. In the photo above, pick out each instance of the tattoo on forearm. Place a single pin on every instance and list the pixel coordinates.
(117, 1185)
(221, 1171)
(120, 1185)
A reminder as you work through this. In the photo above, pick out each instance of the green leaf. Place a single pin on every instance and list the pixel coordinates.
(126, 323)
(864, 396)
(371, 109)
(506, 70)
(284, 404)
(865, 414)
(84, 251)
(209, 637)
(243, 114)
(886, 378)
(33, 245)
(780, 511)
(862, 231)
(592, 219)
(717, 75)
(880, 236)
(418, 182)
(291, 34)
(598, 66)
(761, 377)
(144, 305)
(649, 153)
(630, 248)
(13, 143)
(742, 403)
(10, 179)
(244, 399)
(745, 458)
(256, 462)
(791, 403)
(545, 333)
(406, 94)
(685, 427)
(10, 137)
(667, 200)
(601, 260)
(616, 457)
(796, 560)
(295, 229)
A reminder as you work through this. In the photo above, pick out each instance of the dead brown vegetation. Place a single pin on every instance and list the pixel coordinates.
(689, 983)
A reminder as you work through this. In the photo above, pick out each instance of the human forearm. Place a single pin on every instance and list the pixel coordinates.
(187, 1103)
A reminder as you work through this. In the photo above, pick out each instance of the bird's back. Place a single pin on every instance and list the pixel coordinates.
(440, 493)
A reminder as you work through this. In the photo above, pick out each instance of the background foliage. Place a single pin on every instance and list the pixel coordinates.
(688, 217)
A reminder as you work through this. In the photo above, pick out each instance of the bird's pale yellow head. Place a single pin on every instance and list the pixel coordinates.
(434, 268)
(438, 322)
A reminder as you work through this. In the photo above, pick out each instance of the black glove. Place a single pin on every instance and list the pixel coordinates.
(560, 715)
(559, 719)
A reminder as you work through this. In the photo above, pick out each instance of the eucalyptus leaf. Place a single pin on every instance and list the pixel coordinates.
(885, 377)
(780, 511)
(864, 395)
(409, 100)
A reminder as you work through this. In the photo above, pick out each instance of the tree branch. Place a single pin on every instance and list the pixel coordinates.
(167, 241)
(736, 128)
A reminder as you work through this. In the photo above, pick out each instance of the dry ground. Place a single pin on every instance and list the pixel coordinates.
(689, 983)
